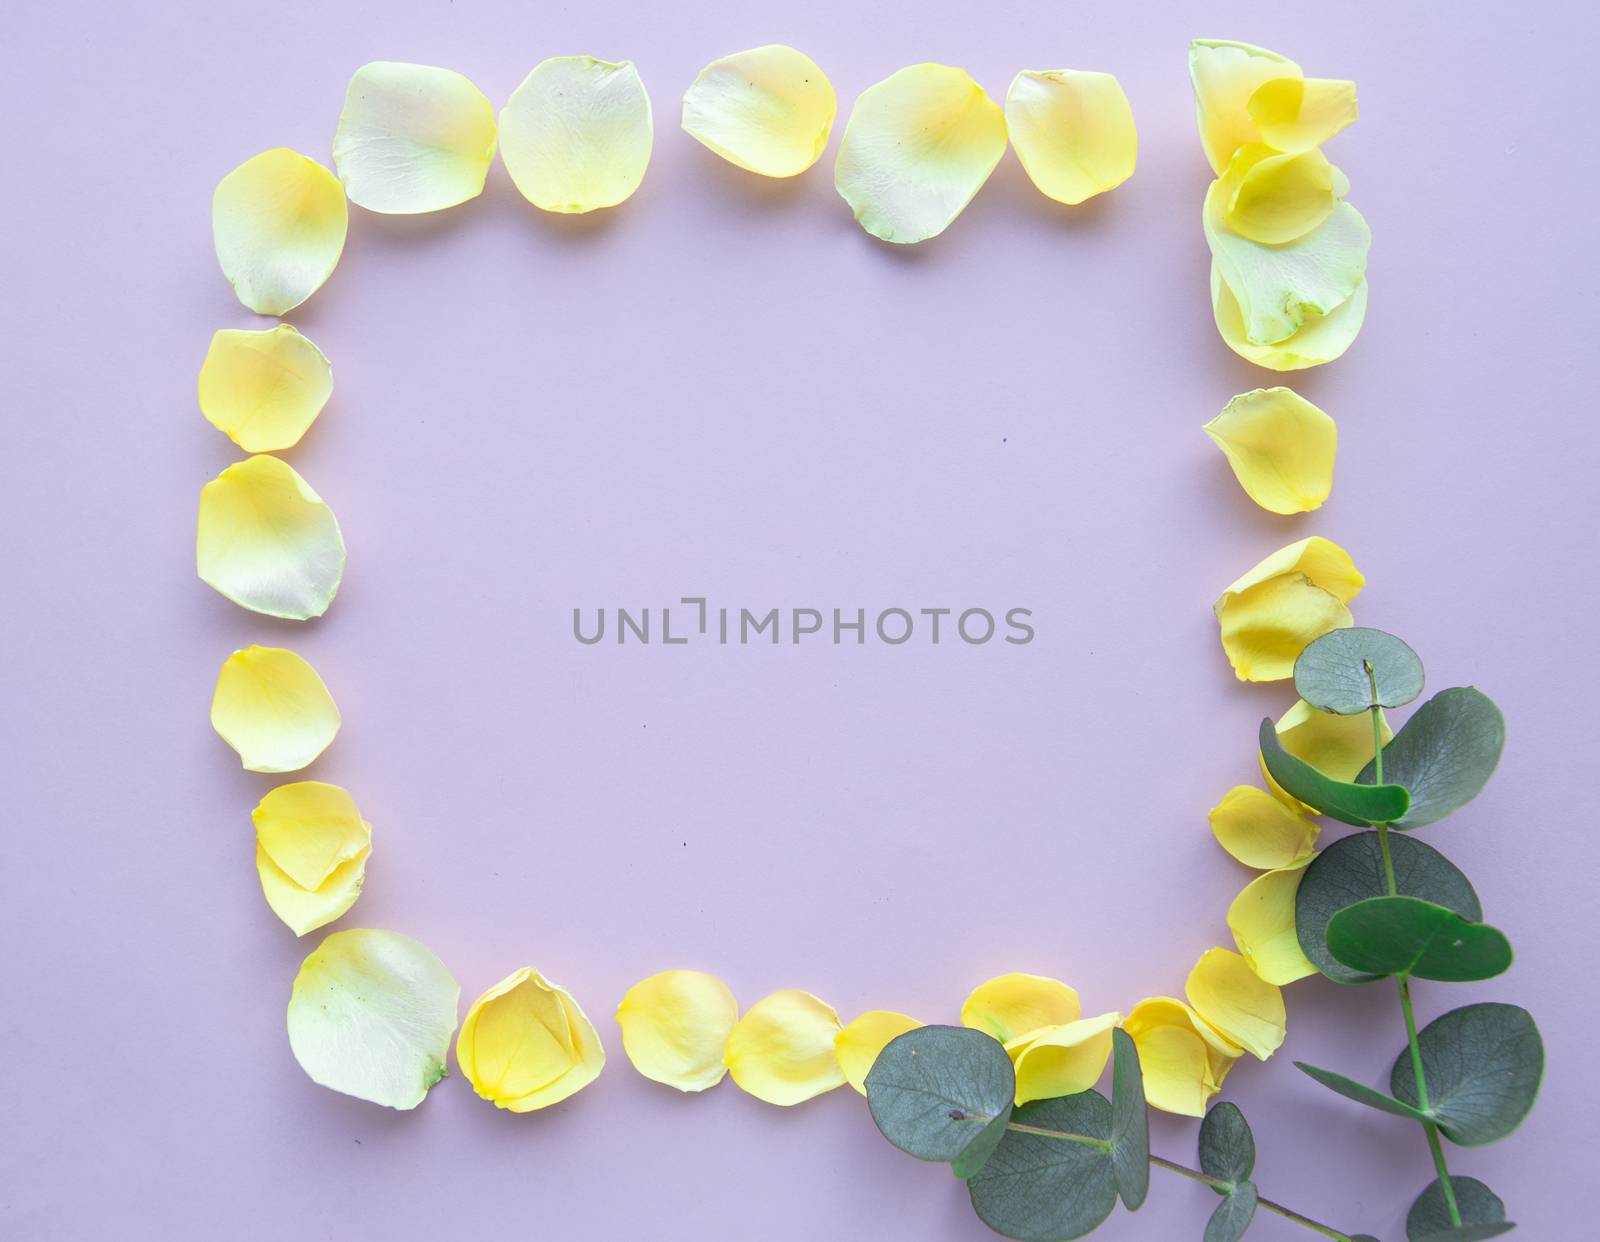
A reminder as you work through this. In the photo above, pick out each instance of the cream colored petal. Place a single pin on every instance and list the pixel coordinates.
(1062, 1060)
(271, 707)
(1226, 76)
(1073, 131)
(768, 110)
(675, 1026)
(1010, 1006)
(1337, 745)
(1261, 919)
(279, 222)
(781, 1051)
(576, 135)
(1184, 1060)
(1276, 198)
(857, 1046)
(308, 829)
(413, 138)
(1269, 615)
(917, 147)
(267, 541)
(1281, 448)
(1243, 1007)
(1260, 831)
(1297, 114)
(1320, 339)
(527, 1044)
(371, 1015)
(306, 909)
(263, 389)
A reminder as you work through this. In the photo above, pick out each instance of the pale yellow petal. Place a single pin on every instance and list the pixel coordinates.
(1274, 198)
(1319, 339)
(263, 389)
(857, 1046)
(1339, 746)
(1261, 919)
(1260, 831)
(1183, 1059)
(306, 909)
(1281, 448)
(1009, 1006)
(1269, 615)
(576, 135)
(271, 707)
(916, 149)
(1226, 75)
(267, 541)
(1073, 131)
(781, 1051)
(526, 1044)
(309, 829)
(1243, 1007)
(768, 110)
(279, 223)
(412, 138)
(1062, 1060)
(675, 1026)
(371, 1015)
(1297, 114)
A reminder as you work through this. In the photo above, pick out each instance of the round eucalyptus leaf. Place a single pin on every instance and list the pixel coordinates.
(1351, 803)
(1130, 1123)
(1482, 1064)
(1430, 1215)
(935, 1090)
(1409, 936)
(970, 1162)
(1351, 870)
(1445, 754)
(1040, 1189)
(1233, 1215)
(1361, 1093)
(1469, 1233)
(1227, 1147)
(1354, 670)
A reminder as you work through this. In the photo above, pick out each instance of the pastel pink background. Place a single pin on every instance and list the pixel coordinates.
(726, 388)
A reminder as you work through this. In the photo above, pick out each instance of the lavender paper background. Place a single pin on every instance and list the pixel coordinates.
(725, 388)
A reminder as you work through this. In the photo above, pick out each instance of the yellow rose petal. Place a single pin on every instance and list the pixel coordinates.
(576, 135)
(1319, 339)
(309, 829)
(412, 138)
(781, 1051)
(1226, 76)
(1009, 1006)
(1281, 448)
(1184, 1060)
(857, 1046)
(1064, 1059)
(675, 1026)
(267, 541)
(1273, 611)
(1260, 831)
(1274, 198)
(271, 707)
(306, 909)
(1073, 131)
(1261, 919)
(279, 222)
(526, 1044)
(371, 1015)
(1243, 1007)
(1297, 114)
(768, 110)
(263, 389)
(1340, 746)
(917, 147)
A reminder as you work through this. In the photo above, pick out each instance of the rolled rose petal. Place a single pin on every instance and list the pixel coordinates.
(526, 1044)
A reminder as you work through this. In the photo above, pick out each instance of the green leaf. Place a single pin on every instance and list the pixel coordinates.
(1363, 1094)
(1482, 1064)
(1445, 754)
(1338, 671)
(1233, 1215)
(1468, 1233)
(1351, 870)
(1041, 1189)
(1359, 804)
(1227, 1148)
(1130, 1123)
(1430, 1215)
(1406, 935)
(935, 1091)
(970, 1162)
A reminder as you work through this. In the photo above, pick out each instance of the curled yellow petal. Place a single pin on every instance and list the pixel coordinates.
(1013, 1005)
(1261, 919)
(311, 852)
(675, 1025)
(1183, 1058)
(526, 1044)
(769, 110)
(1226, 76)
(1274, 198)
(917, 147)
(857, 1046)
(1073, 131)
(279, 222)
(1319, 339)
(263, 389)
(1243, 1007)
(781, 1051)
(1063, 1059)
(1281, 448)
(371, 1015)
(1297, 594)
(1297, 114)
(267, 541)
(272, 707)
(412, 138)
(1337, 745)
(576, 135)
(1260, 831)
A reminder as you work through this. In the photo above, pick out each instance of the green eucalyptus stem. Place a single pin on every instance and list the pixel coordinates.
(1327, 1231)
